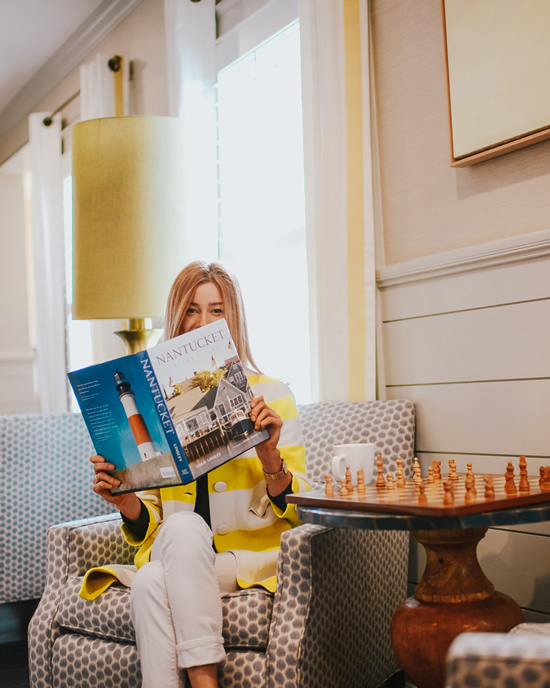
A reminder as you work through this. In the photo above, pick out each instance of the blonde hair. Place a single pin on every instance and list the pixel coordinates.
(181, 295)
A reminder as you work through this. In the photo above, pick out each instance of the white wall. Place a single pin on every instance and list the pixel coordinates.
(17, 353)
(464, 273)
(471, 347)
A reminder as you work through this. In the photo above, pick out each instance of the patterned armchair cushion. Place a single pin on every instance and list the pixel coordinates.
(246, 615)
(501, 660)
(44, 480)
(291, 639)
(389, 425)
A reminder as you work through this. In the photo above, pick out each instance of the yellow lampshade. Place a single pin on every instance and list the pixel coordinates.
(128, 239)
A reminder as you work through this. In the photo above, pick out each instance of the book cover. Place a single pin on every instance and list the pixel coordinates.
(168, 415)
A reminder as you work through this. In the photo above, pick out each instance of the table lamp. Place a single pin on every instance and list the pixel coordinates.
(128, 238)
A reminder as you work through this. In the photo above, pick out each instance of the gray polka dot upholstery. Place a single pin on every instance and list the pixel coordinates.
(326, 626)
(45, 478)
(501, 660)
(389, 425)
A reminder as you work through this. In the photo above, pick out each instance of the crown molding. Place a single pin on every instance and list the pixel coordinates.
(509, 250)
(69, 56)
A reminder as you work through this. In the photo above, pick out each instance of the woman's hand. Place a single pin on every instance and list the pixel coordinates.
(103, 483)
(264, 417)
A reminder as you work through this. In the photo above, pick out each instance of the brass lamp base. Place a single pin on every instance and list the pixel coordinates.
(139, 335)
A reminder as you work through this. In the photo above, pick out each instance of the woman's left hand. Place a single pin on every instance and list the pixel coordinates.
(264, 417)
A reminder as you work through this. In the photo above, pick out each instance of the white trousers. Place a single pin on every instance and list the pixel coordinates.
(175, 601)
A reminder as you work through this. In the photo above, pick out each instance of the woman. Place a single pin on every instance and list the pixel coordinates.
(220, 533)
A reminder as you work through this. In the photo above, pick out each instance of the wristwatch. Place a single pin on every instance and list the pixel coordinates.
(279, 474)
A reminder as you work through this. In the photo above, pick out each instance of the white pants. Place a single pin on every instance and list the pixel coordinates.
(175, 601)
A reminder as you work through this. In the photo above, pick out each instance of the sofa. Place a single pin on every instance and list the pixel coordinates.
(45, 478)
(326, 625)
(501, 660)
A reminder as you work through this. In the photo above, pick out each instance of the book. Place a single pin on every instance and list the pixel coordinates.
(172, 413)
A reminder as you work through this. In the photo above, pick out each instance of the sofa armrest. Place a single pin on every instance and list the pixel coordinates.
(498, 659)
(336, 584)
(77, 546)
(72, 549)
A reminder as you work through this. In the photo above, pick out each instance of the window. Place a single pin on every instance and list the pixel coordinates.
(262, 202)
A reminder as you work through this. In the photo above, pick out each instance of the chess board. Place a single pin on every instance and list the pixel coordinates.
(430, 500)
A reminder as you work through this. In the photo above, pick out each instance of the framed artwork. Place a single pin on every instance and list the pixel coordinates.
(498, 76)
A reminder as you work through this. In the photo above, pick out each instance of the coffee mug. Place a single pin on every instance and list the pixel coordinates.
(356, 456)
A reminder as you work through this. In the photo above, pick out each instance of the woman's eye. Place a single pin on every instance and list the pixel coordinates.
(191, 311)
(217, 311)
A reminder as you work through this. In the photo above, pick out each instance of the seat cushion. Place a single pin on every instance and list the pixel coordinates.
(246, 615)
(78, 660)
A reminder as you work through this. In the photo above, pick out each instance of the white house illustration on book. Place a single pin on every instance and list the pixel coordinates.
(219, 416)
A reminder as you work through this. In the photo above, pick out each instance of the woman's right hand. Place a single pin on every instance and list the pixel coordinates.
(104, 482)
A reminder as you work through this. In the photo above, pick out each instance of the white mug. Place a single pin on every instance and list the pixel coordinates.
(356, 456)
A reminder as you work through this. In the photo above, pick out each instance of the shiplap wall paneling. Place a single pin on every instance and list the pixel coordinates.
(455, 281)
(471, 348)
(505, 342)
(502, 418)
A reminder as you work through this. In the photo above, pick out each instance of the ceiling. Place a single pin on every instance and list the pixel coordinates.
(42, 41)
(31, 32)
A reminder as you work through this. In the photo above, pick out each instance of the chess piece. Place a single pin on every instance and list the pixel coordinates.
(544, 480)
(349, 484)
(380, 482)
(422, 499)
(523, 476)
(389, 482)
(400, 476)
(431, 478)
(417, 473)
(471, 492)
(469, 471)
(489, 487)
(509, 484)
(344, 490)
(448, 496)
(437, 469)
(329, 487)
(453, 475)
(361, 487)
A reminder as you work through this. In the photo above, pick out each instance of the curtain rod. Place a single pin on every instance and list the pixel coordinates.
(114, 65)
(47, 121)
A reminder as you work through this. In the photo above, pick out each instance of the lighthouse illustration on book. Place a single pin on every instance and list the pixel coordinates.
(137, 422)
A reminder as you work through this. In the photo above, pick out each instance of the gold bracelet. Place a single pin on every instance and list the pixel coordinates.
(279, 474)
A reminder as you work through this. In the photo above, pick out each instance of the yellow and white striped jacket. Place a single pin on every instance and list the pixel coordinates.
(243, 518)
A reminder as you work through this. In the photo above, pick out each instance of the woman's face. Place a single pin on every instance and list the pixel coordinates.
(206, 306)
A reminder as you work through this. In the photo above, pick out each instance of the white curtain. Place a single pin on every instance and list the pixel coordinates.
(49, 263)
(97, 100)
(97, 95)
(190, 29)
(340, 226)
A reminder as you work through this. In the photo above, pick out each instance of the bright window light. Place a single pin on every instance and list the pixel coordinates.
(262, 204)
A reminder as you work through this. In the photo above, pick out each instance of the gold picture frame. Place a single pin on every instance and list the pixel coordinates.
(498, 70)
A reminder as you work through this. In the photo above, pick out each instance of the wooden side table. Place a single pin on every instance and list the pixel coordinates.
(453, 595)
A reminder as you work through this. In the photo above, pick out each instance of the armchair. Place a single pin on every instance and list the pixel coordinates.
(327, 624)
(491, 660)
